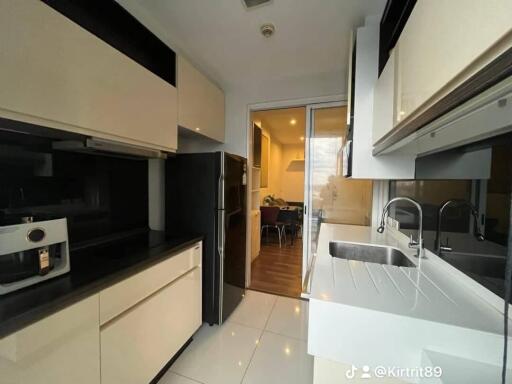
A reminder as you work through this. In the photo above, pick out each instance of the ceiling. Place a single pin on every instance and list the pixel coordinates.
(278, 123)
(223, 38)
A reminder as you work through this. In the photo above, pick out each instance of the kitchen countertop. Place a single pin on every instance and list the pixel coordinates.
(369, 306)
(91, 271)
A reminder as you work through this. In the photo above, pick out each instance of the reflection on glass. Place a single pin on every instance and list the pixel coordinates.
(483, 261)
(335, 199)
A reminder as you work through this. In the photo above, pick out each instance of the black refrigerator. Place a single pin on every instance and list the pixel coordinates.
(206, 194)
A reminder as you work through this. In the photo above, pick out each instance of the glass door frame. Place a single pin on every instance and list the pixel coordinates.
(308, 257)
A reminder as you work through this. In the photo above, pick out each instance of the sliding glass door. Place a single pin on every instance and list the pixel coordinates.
(329, 197)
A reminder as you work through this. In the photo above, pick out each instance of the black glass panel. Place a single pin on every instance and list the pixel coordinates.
(99, 195)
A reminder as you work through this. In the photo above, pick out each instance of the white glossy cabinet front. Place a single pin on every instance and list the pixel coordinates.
(443, 43)
(200, 102)
(137, 345)
(125, 294)
(384, 105)
(60, 349)
(57, 74)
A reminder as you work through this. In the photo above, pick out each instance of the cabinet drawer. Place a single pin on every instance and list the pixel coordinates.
(137, 345)
(125, 294)
(60, 349)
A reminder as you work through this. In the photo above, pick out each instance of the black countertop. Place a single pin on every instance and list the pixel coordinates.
(92, 269)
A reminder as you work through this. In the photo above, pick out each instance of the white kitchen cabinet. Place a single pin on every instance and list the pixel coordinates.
(57, 74)
(445, 42)
(136, 345)
(384, 101)
(62, 348)
(200, 102)
(364, 164)
(125, 294)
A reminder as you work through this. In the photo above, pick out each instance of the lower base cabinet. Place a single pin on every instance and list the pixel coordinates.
(158, 310)
(136, 345)
(60, 349)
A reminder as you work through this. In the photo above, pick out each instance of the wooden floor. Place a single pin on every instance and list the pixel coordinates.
(278, 270)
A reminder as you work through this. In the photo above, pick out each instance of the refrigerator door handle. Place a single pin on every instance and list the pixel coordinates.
(220, 184)
(220, 248)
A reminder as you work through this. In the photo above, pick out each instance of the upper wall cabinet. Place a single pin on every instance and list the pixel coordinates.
(200, 102)
(384, 100)
(57, 74)
(370, 118)
(445, 42)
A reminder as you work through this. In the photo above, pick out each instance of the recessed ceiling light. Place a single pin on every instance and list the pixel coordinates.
(293, 121)
(198, 129)
(302, 138)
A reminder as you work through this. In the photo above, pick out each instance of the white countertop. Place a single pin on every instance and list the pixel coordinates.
(421, 292)
(412, 308)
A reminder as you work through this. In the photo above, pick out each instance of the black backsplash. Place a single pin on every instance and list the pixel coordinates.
(483, 261)
(99, 195)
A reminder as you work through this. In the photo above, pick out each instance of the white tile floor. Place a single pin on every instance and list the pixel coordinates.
(263, 342)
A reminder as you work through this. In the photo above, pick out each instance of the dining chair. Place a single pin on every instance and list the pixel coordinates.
(269, 219)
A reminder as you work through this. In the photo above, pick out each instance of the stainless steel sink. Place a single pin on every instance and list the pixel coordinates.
(481, 265)
(369, 254)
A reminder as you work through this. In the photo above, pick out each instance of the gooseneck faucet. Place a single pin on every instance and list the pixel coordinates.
(458, 203)
(418, 244)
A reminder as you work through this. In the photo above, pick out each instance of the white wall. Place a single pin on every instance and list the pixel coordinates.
(292, 172)
(274, 168)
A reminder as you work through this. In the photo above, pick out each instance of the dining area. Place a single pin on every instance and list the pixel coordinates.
(285, 221)
(278, 267)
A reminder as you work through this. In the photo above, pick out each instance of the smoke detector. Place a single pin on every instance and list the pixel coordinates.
(250, 4)
(267, 30)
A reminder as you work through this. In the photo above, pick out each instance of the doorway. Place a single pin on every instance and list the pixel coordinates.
(277, 200)
(296, 160)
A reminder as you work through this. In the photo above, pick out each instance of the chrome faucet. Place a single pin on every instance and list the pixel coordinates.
(455, 202)
(412, 243)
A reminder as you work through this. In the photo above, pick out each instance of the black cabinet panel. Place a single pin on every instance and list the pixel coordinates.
(113, 24)
(393, 21)
(256, 146)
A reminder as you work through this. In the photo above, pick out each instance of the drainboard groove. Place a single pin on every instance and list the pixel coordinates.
(438, 288)
(415, 285)
(372, 278)
(394, 282)
(352, 274)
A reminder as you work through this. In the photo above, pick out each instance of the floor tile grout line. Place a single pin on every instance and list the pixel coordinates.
(271, 312)
(282, 335)
(244, 325)
(257, 345)
(252, 357)
(186, 377)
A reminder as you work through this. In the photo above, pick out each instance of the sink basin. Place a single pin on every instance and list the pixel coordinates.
(369, 254)
(481, 265)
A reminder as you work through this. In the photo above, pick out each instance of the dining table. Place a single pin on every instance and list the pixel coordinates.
(290, 215)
